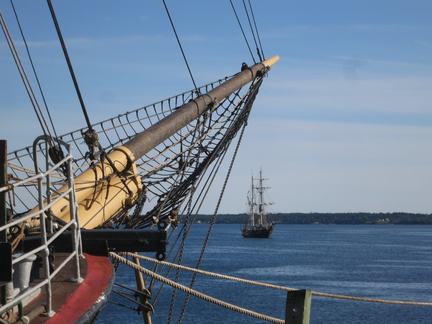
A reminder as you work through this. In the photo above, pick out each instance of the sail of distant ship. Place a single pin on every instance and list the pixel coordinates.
(257, 225)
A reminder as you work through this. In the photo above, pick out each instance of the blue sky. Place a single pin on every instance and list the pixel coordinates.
(342, 124)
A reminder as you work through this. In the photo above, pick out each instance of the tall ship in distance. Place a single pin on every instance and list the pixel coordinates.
(257, 225)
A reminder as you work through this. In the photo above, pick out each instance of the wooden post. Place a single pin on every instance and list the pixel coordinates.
(141, 286)
(298, 307)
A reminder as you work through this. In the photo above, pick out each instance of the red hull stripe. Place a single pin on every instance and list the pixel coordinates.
(99, 272)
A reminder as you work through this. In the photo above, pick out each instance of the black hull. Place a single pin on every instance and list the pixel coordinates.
(257, 232)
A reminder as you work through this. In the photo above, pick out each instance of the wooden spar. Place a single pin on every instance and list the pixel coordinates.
(156, 134)
(99, 201)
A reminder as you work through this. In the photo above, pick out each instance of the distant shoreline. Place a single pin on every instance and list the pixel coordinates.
(328, 218)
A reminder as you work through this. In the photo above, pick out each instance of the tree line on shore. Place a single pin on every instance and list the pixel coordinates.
(328, 218)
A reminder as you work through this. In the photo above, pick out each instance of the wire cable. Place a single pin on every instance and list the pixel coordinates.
(252, 31)
(258, 36)
(24, 77)
(179, 43)
(33, 68)
(242, 30)
(69, 63)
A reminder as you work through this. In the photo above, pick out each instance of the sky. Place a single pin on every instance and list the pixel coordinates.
(343, 123)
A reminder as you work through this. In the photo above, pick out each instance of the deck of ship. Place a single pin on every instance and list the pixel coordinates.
(75, 302)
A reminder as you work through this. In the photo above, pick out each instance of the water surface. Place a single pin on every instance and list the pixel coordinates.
(383, 262)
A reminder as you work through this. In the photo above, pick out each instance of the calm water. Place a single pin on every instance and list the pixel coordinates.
(384, 262)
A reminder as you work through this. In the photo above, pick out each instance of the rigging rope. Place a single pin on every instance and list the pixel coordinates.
(241, 28)
(205, 141)
(201, 197)
(204, 191)
(213, 221)
(187, 227)
(253, 28)
(258, 37)
(256, 283)
(33, 67)
(24, 77)
(194, 292)
(179, 43)
(90, 136)
(252, 31)
(219, 151)
(69, 63)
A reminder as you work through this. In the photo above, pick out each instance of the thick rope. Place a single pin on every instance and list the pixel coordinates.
(194, 292)
(256, 283)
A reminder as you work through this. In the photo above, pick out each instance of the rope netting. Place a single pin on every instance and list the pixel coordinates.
(176, 174)
(168, 171)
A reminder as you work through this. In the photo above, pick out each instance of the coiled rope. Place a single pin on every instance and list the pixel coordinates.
(193, 292)
(256, 283)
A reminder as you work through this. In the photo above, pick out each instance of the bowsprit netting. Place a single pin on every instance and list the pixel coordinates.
(170, 170)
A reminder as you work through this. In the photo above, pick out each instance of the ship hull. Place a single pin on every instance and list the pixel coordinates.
(257, 231)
